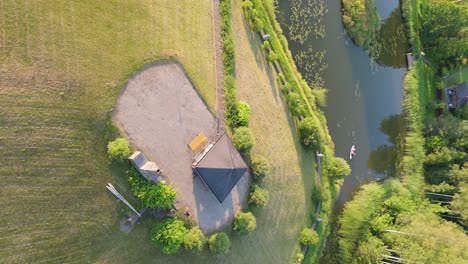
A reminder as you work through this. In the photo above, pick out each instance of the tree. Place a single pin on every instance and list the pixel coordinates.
(310, 132)
(338, 167)
(243, 139)
(244, 223)
(244, 113)
(169, 235)
(260, 167)
(257, 24)
(296, 104)
(371, 251)
(460, 202)
(308, 237)
(219, 243)
(194, 240)
(159, 195)
(258, 196)
(119, 149)
(441, 32)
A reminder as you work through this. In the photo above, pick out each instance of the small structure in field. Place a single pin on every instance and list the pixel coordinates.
(220, 166)
(148, 169)
(456, 95)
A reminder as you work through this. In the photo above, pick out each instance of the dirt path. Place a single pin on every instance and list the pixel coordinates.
(219, 69)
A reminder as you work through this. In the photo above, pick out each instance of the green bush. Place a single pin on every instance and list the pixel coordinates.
(219, 243)
(151, 195)
(296, 104)
(244, 113)
(338, 167)
(119, 149)
(169, 235)
(260, 167)
(272, 56)
(194, 240)
(310, 133)
(266, 44)
(243, 139)
(258, 196)
(244, 223)
(257, 24)
(308, 237)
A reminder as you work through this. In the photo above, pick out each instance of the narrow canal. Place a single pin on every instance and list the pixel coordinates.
(363, 90)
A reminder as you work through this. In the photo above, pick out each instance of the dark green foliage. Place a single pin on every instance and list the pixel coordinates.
(219, 243)
(258, 196)
(244, 223)
(296, 104)
(361, 20)
(169, 235)
(260, 167)
(119, 149)
(310, 133)
(308, 237)
(338, 167)
(151, 195)
(194, 240)
(371, 251)
(243, 139)
(244, 113)
(460, 202)
(443, 31)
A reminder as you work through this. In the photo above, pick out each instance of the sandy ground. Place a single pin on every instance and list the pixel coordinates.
(160, 112)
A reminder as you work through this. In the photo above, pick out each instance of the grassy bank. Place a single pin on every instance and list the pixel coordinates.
(361, 20)
(63, 63)
(264, 10)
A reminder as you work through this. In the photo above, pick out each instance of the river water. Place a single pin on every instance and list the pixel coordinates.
(361, 92)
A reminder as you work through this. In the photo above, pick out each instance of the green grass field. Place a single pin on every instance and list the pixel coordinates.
(62, 63)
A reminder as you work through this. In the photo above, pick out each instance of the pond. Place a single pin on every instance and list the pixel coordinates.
(363, 90)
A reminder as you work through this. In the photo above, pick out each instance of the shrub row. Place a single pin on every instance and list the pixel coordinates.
(291, 82)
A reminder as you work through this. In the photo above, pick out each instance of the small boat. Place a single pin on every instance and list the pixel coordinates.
(352, 152)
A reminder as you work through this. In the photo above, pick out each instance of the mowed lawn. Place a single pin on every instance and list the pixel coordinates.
(62, 63)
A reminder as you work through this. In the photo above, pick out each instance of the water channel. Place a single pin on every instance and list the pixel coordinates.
(362, 92)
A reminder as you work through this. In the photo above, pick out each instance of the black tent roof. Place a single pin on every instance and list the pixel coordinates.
(221, 168)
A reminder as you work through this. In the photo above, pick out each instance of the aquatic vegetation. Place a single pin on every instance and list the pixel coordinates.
(361, 20)
(313, 65)
(307, 19)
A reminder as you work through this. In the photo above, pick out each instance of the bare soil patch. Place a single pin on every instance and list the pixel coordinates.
(160, 112)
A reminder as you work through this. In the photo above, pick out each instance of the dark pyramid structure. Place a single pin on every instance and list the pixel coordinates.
(221, 168)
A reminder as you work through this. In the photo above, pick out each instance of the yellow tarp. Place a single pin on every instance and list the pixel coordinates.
(198, 141)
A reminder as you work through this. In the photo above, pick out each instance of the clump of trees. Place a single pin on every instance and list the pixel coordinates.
(169, 235)
(244, 223)
(151, 195)
(260, 167)
(308, 237)
(361, 20)
(338, 167)
(310, 132)
(243, 139)
(244, 113)
(194, 240)
(219, 243)
(443, 31)
(258, 196)
(119, 149)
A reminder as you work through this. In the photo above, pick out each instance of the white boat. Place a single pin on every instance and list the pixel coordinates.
(352, 152)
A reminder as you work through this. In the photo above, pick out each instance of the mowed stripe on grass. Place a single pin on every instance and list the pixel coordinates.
(62, 63)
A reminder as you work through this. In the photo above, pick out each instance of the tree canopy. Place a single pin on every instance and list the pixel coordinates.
(169, 235)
